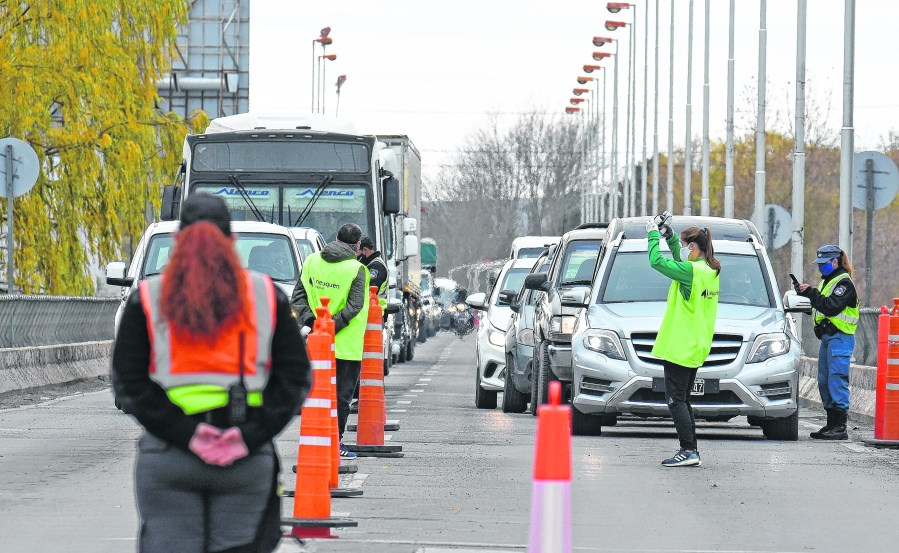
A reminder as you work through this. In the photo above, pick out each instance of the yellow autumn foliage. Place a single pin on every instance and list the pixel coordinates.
(77, 81)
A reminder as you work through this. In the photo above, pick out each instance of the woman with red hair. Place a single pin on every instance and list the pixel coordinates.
(209, 360)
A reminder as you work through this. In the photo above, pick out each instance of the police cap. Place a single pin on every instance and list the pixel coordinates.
(367, 243)
(828, 253)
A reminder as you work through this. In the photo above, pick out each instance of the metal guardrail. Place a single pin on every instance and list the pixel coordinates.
(865, 352)
(49, 320)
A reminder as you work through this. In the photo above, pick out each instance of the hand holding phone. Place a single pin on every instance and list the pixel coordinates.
(795, 282)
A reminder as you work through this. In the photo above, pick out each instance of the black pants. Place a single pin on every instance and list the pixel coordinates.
(347, 378)
(678, 384)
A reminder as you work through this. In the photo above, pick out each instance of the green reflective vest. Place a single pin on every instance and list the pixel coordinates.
(334, 280)
(688, 326)
(846, 321)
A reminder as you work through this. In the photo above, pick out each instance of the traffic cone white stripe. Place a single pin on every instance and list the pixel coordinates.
(551, 517)
(316, 402)
(315, 440)
(371, 382)
(320, 365)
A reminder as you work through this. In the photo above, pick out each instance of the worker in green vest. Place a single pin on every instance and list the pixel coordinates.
(835, 310)
(685, 337)
(336, 274)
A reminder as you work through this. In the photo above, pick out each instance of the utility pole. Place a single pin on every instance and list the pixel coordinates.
(655, 124)
(798, 215)
(847, 134)
(704, 203)
(729, 148)
(760, 126)
(688, 146)
(669, 200)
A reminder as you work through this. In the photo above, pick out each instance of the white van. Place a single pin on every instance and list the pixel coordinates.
(530, 247)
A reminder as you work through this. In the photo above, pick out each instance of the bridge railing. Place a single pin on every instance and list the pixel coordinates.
(49, 320)
(865, 352)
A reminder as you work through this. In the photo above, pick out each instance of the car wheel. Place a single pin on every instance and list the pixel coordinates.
(482, 398)
(423, 333)
(755, 421)
(513, 400)
(534, 403)
(544, 375)
(585, 425)
(432, 330)
(387, 363)
(786, 430)
(401, 358)
(608, 419)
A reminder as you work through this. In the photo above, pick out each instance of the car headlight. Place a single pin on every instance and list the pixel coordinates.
(605, 342)
(767, 346)
(526, 337)
(460, 307)
(496, 337)
(563, 324)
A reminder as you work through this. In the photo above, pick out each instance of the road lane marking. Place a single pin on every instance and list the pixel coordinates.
(424, 379)
(396, 410)
(858, 448)
(410, 395)
(404, 403)
(416, 391)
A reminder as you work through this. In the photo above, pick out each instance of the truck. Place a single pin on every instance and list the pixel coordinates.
(402, 159)
(429, 254)
(300, 171)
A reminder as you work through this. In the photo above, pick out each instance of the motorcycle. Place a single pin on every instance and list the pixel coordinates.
(462, 322)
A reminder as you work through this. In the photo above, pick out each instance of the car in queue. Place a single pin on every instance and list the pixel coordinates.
(531, 246)
(491, 342)
(261, 247)
(752, 369)
(308, 241)
(518, 388)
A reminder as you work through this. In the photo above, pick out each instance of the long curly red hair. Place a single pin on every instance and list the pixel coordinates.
(203, 286)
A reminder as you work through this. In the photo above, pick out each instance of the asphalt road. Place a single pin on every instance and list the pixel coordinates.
(465, 480)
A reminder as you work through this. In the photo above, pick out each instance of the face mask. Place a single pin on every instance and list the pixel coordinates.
(685, 253)
(826, 268)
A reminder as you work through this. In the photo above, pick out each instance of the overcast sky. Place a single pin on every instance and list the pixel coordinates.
(434, 70)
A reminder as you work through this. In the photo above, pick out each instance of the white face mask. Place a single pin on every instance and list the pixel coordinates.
(685, 253)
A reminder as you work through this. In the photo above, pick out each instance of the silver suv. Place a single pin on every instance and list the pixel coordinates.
(753, 367)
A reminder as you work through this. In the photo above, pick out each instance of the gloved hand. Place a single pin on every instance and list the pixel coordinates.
(305, 331)
(204, 440)
(651, 226)
(666, 231)
(229, 448)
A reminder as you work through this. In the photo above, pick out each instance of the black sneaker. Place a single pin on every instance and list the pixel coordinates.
(683, 458)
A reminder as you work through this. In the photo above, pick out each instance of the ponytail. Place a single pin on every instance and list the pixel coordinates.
(702, 237)
(844, 263)
(203, 284)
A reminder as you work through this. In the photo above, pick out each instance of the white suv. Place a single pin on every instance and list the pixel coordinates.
(753, 367)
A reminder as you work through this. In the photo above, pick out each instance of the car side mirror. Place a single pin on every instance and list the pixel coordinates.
(794, 303)
(477, 301)
(535, 281)
(576, 297)
(392, 308)
(506, 297)
(115, 274)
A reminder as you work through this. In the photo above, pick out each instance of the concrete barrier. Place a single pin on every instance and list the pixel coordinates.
(862, 386)
(37, 366)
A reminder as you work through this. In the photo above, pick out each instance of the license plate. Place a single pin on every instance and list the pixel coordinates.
(698, 387)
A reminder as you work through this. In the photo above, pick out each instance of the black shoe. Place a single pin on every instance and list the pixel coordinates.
(683, 458)
(825, 428)
(838, 430)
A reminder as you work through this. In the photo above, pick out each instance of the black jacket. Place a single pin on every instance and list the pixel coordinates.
(376, 267)
(289, 380)
(841, 297)
(332, 253)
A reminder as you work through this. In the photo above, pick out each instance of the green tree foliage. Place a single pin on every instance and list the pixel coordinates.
(77, 81)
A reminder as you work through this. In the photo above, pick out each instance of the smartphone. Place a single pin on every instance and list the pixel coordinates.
(795, 282)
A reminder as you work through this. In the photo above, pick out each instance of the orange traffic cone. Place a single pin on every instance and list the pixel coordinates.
(323, 314)
(372, 411)
(551, 498)
(886, 406)
(312, 501)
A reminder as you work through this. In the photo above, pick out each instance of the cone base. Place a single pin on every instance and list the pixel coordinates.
(362, 449)
(389, 426)
(342, 469)
(306, 525)
(335, 492)
(892, 444)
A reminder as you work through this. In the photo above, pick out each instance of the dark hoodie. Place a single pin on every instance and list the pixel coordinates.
(332, 253)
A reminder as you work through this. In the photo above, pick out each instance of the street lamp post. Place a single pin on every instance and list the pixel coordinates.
(688, 146)
(729, 148)
(847, 133)
(655, 123)
(613, 183)
(323, 39)
(760, 128)
(323, 59)
(796, 253)
(669, 192)
(631, 146)
(704, 203)
(626, 204)
(340, 80)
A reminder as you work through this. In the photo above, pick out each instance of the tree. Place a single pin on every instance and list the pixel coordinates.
(505, 182)
(78, 82)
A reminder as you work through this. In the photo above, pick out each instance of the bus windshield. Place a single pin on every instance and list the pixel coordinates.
(337, 205)
(264, 198)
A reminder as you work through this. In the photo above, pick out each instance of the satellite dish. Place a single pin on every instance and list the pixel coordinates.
(25, 166)
(777, 225)
(886, 180)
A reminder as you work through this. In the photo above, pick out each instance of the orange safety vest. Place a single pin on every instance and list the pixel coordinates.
(196, 374)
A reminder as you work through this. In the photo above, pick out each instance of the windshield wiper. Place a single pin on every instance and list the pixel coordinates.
(318, 192)
(577, 282)
(246, 197)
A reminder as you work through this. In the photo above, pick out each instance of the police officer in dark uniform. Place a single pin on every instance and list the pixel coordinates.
(371, 258)
(835, 311)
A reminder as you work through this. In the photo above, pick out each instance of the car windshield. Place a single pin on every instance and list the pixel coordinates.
(513, 280)
(530, 253)
(632, 280)
(579, 262)
(270, 254)
(305, 247)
